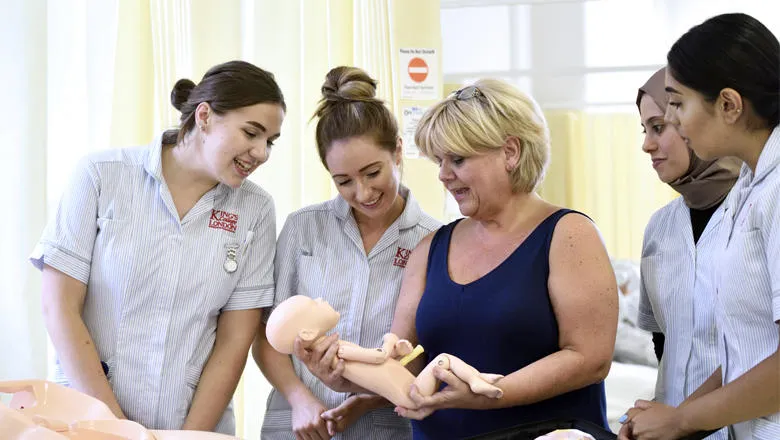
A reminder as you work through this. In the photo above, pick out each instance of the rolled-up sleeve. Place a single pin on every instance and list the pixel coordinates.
(67, 241)
(256, 287)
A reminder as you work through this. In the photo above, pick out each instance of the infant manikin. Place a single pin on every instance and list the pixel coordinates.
(380, 370)
(41, 410)
(566, 434)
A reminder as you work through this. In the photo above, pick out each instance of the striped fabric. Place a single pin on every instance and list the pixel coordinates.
(748, 287)
(156, 285)
(320, 254)
(677, 297)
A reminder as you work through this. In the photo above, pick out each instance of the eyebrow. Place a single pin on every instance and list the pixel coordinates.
(361, 170)
(262, 128)
(672, 90)
(651, 119)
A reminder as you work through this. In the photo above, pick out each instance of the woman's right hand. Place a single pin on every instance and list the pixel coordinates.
(307, 423)
(321, 359)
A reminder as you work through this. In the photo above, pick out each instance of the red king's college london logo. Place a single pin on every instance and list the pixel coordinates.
(223, 220)
(401, 257)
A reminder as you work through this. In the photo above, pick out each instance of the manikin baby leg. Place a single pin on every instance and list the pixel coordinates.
(480, 383)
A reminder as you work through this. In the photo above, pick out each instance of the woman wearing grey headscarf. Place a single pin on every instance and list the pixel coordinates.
(677, 290)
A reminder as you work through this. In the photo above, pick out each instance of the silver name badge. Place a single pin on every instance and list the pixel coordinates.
(231, 264)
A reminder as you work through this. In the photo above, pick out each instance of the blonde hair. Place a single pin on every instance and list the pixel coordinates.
(349, 108)
(474, 125)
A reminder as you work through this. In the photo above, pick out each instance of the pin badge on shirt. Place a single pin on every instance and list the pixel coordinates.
(231, 264)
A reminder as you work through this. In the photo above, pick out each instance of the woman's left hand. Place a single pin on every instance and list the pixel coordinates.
(456, 394)
(656, 421)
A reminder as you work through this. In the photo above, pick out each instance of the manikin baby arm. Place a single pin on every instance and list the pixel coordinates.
(392, 347)
(480, 383)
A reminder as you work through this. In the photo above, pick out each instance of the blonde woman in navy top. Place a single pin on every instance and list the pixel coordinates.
(723, 80)
(518, 287)
(159, 258)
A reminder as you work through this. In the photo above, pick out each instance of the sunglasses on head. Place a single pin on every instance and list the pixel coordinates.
(467, 92)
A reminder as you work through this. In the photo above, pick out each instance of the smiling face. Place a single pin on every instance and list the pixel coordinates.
(235, 143)
(667, 150)
(367, 176)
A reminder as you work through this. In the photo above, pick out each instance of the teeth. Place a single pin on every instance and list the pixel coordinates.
(242, 165)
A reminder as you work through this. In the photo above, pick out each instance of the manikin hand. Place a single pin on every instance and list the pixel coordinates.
(320, 357)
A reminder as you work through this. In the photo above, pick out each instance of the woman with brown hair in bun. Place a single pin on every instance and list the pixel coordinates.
(159, 259)
(351, 251)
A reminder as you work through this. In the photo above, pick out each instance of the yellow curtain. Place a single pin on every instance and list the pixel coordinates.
(598, 168)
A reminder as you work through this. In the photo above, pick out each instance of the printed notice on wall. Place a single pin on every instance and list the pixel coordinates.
(419, 74)
(410, 118)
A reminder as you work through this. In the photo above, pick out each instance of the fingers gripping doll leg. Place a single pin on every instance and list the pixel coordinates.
(426, 382)
(475, 379)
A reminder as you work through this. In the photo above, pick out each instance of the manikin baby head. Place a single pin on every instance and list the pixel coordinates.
(296, 316)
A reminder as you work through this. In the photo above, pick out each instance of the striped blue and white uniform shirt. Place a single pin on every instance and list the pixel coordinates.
(157, 284)
(320, 253)
(748, 287)
(677, 298)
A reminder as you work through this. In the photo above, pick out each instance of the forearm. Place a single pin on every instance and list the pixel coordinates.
(711, 384)
(220, 376)
(754, 394)
(79, 358)
(551, 376)
(216, 387)
(278, 370)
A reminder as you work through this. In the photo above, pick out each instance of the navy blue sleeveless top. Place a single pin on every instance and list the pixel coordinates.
(498, 324)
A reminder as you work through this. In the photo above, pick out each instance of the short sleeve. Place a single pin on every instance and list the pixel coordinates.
(772, 241)
(285, 262)
(645, 316)
(67, 241)
(256, 287)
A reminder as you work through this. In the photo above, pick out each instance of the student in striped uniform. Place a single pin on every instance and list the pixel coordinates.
(159, 258)
(677, 293)
(351, 251)
(723, 80)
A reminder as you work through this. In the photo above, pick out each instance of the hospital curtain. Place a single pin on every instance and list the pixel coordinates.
(598, 168)
(22, 336)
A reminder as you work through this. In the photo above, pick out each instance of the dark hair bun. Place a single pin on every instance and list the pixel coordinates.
(181, 92)
(346, 84)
